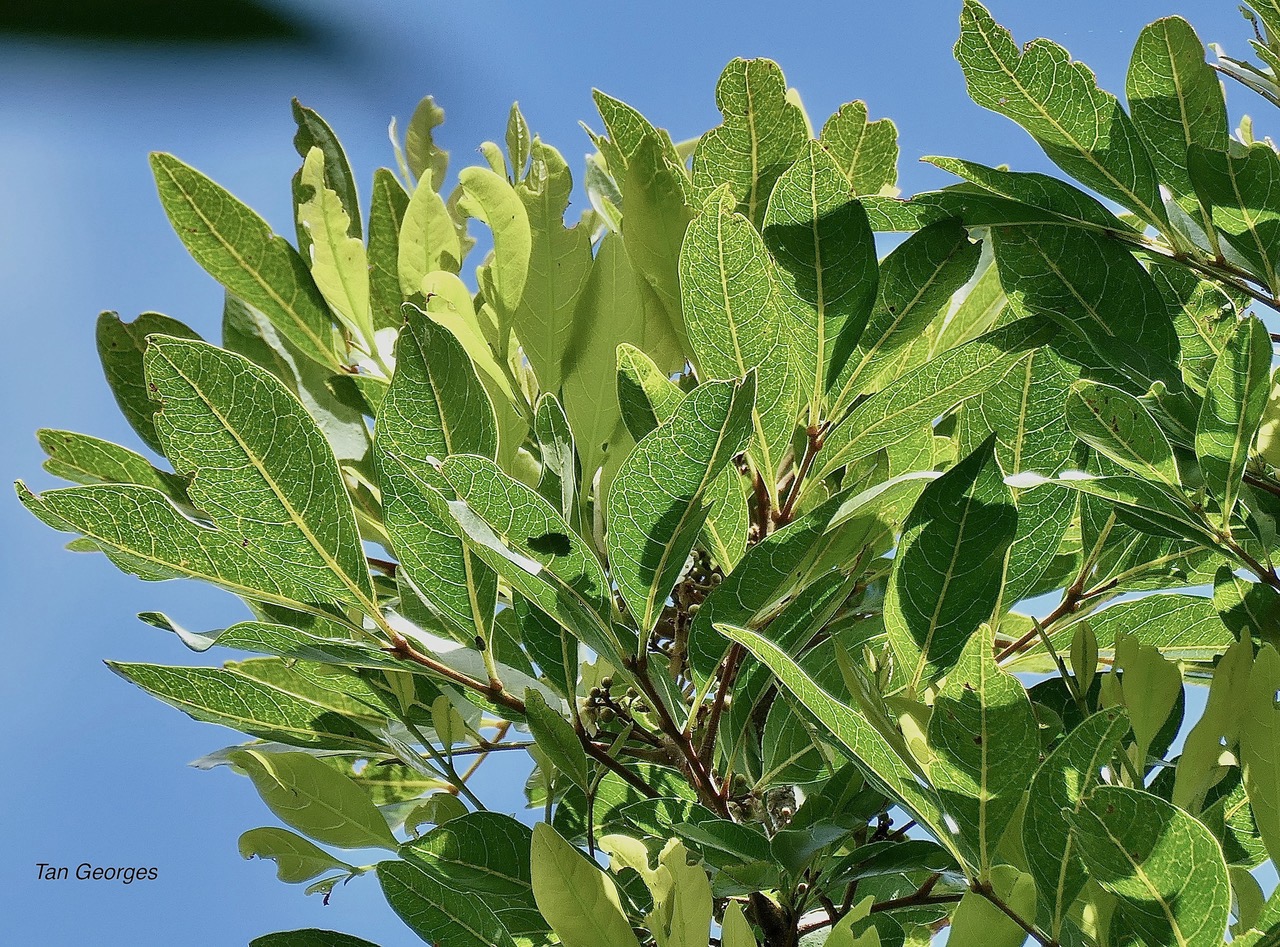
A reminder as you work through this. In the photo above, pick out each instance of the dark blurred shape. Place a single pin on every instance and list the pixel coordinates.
(149, 21)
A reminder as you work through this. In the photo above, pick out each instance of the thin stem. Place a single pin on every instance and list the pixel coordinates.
(458, 782)
(816, 434)
(728, 672)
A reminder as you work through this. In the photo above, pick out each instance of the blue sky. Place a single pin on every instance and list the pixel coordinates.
(97, 770)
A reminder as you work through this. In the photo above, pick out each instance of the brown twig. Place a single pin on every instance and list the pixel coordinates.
(728, 672)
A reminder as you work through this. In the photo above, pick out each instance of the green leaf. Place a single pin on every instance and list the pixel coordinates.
(1059, 788)
(1118, 425)
(934, 389)
(946, 577)
(232, 698)
(386, 216)
(421, 152)
(428, 239)
(339, 264)
(656, 503)
(120, 347)
(439, 914)
(494, 201)
(866, 152)
(248, 332)
(1176, 100)
(1243, 194)
(556, 738)
(296, 859)
(316, 799)
(885, 765)
(1260, 747)
(1232, 410)
(238, 249)
(916, 282)
(762, 133)
(1150, 690)
(84, 459)
(1081, 128)
(261, 468)
(579, 901)
(1164, 868)
(1024, 411)
(435, 407)
(314, 132)
(559, 267)
(986, 746)
(734, 324)
(1094, 287)
(480, 853)
(310, 937)
(1181, 627)
(522, 538)
(1203, 316)
(826, 267)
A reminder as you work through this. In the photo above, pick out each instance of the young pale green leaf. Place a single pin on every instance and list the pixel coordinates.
(985, 746)
(120, 347)
(435, 407)
(437, 913)
(311, 937)
(339, 263)
(882, 763)
(977, 922)
(420, 150)
(1260, 747)
(238, 249)
(558, 481)
(1151, 687)
(1231, 411)
(296, 858)
(658, 210)
(866, 152)
(559, 267)
(734, 323)
(916, 281)
(931, 391)
(1094, 287)
(734, 930)
(1080, 127)
(386, 216)
(556, 739)
(84, 459)
(1243, 194)
(612, 312)
(826, 266)
(762, 134)
(657, 501)
(262, 471)
(522, 538)
(428, 240)
(579, 901)
(946, 577)
(1118, 425)
(1200, 766)
(1164, 868)
(1058, 789)
(314, 132)
(316, 799)
(1176, 101)
(491, 199)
